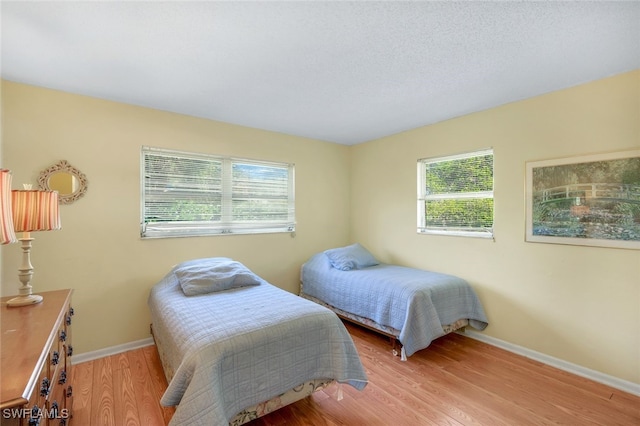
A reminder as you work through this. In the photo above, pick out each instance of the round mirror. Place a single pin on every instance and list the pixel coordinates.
(70, 183)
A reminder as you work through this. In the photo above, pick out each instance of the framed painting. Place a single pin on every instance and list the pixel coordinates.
(591, 200)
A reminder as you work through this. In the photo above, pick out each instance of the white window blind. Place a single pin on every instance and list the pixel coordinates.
(192, 194)
(455, 194)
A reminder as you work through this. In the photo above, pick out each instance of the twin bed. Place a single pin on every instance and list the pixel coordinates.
(234, 347)
(411, 306)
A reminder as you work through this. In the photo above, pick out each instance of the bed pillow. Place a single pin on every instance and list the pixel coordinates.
(211, 275)
(351, 257)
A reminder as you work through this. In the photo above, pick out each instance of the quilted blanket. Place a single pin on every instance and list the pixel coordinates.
(228, 350)
(414, 301)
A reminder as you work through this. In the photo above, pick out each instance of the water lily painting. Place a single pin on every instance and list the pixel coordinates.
(591, 200)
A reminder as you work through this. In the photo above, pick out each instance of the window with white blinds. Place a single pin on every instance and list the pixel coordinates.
(455, 194)
(191, 194)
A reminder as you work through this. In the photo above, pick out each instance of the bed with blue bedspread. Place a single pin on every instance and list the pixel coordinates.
(235, 347)
(411, 305)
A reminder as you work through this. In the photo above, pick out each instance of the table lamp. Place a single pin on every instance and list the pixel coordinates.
(33, 210)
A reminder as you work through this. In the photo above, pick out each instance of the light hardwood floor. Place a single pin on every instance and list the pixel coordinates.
(456, 381)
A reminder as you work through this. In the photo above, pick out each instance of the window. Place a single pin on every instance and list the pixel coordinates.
(455, 195)
(189, 194)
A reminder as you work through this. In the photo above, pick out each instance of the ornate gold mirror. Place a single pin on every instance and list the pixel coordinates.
(70, 182)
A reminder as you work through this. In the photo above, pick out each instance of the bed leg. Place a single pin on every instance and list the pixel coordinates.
(395, 346)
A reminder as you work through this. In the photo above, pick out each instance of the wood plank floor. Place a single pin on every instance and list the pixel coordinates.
(456, 381)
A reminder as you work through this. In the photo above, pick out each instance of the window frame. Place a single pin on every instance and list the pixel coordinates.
(226, 225)
(422, 197)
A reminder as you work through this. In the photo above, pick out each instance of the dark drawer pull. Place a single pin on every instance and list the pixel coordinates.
(53, 413)
(68, 320)
(70, 351)
(63, 335)
(44, 387)
(63, 377)
(55, 358)
(71, 312)
(34, 418)
(69, 392)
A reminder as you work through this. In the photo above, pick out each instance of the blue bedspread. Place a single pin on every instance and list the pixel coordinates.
(414, 301)
(231, 349)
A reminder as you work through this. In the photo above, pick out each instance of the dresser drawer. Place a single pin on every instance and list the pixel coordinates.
(36, 343)
(57, 409)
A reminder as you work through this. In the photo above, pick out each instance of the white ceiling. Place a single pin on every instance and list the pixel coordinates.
(344, 72)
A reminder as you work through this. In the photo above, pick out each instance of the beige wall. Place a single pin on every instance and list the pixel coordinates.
(579, 304)
(99, 253)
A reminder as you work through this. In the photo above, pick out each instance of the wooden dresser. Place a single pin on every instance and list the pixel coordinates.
(35, 373)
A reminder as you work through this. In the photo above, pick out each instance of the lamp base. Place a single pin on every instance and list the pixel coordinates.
(30, 299)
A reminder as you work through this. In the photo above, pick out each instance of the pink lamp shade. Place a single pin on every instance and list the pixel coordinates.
(35, 210)
(7, 234)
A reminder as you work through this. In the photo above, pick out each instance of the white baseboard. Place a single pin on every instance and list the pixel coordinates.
(596, 376)
(90, 356)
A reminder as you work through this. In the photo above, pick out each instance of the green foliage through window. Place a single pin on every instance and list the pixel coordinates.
(455, 194)
(189, 194)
